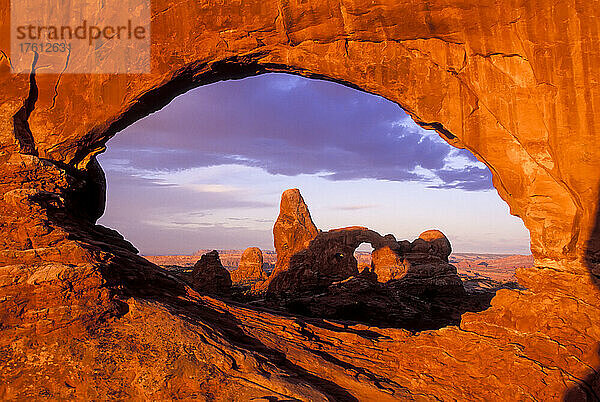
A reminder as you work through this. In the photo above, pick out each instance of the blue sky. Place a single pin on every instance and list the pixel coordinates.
(207, 170)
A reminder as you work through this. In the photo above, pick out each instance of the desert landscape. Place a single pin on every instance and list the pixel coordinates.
(317, 274)
(509, 90)
(485, 272)
(495, 267)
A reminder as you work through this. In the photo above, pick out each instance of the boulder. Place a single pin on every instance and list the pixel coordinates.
(436, 244)
(250, 270)
(209, 276)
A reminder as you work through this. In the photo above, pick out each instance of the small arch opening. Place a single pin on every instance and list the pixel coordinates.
(363, 256)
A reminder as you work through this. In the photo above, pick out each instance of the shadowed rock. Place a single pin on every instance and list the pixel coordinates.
(421, 265)
(209, 276)
(329, 257)
(433, 243)
(409, 289)
(410, 285)
(426, 267)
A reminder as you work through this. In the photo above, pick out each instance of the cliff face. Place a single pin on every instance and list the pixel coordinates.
(512, 81)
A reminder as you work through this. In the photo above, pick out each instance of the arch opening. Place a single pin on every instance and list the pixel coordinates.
(363, 255)
(201, 167)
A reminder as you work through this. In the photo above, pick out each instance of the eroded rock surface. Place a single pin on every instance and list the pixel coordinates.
(436, 244)
(388, 264)
(409, 285)
(327, 258)
(420, 267)
(292, 232)
(250, 269)
(514, 82)
(209, 276)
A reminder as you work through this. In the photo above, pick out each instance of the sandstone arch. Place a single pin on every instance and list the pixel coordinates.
(422, 266)
(329, 257)
(512, 81)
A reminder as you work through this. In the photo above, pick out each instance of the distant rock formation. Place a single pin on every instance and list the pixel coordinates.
(427, 271)
(209, 276)
(328, 258)
(294, 228)
(432, 243)
(422, 266)
(292, 232)
(309, 261)
(250, 269)
(411, 285)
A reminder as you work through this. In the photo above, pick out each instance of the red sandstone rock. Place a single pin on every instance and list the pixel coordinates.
(328, 258)
(209, 276)
(514, 82)
(250, 269)
(420, 267)
(387, 264)
(292, 232)
(294, 228)
(438, 243)
(426, 268)
(410, 285)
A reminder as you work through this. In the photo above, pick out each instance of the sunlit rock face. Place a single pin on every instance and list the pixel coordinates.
(514, 82)
(388, 264)
(250, 270)
(293, 231)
